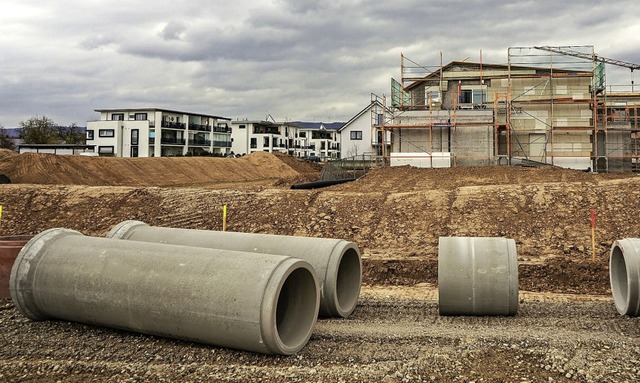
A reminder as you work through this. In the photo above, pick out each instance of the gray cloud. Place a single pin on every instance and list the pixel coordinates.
(292, 59)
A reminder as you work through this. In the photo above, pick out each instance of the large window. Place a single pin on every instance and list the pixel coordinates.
(134, 137)
(117, 116)
(106, 133)
(254, 143)
(89, 135)
(105, 149)
(265, 142)
(140, 116)
(355, 135)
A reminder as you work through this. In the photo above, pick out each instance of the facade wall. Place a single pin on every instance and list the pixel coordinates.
(157, 133)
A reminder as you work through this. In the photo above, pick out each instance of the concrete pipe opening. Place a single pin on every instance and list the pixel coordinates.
(336, 262)
(296, 311)
(477, 276)
(624, 275)
(246, 301)
(347, 281)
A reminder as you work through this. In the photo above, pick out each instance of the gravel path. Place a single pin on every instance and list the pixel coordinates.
(386, 340)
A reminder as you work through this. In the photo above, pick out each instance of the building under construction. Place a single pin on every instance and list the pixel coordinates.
(546, 106)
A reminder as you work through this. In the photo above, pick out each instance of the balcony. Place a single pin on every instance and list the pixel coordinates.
(222, 129)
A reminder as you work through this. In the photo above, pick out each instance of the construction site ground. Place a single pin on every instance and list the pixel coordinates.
(566, 329)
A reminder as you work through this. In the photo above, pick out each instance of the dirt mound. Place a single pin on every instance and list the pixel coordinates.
(261, 168)
(4, 153)
(407, 178)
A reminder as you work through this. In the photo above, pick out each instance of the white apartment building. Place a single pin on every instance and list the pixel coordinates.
(313, 140)
(154, 132)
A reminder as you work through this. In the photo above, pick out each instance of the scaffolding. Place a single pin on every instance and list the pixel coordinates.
(546, 106)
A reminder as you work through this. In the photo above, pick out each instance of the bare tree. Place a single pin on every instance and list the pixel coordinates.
(6, 142)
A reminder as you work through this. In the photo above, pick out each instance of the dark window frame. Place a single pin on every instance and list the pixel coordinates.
(90, 134)
(106, 150)
(135, 136)
(106, 133)
(355, 135)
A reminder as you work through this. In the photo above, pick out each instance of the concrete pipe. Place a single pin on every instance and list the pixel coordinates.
(624, 274)
(477, 276)
(266, 304)
(337, 262)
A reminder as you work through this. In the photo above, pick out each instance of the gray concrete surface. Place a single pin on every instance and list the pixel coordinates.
(477, 276)
(246, 301)
(337, 262)
(624, 274)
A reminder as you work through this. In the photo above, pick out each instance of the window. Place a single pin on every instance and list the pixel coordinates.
(134, 137)
(140, 116)
(117, 117)
(465, 97)
(89, 134)
(106, 133)
(134, 151)
(265, 142)
(254, 143)
(302, 134)
(355, 135)
(105, 149)
(242, 126)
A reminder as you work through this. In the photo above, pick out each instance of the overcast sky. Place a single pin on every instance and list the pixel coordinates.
(295, 60)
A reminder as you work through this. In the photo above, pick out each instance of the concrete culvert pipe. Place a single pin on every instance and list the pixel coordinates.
(477, 276)
(246, 301)
(337, 262)
(624, 274)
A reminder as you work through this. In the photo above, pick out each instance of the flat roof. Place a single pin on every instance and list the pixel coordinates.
(161, 110)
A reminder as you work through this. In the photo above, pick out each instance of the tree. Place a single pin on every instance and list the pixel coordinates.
(70, 134)
(39, 130)
(42, 130)
(6, 142)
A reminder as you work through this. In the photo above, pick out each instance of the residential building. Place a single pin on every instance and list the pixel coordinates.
(321, 140)
(250, 136)
(155, 132)
(314, 140)
(358, 136)
(547, 106)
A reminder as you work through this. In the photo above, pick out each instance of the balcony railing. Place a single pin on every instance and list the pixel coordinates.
(172, 141)
(173, 125)
(222, 144)
(199, 142)
(204, 128)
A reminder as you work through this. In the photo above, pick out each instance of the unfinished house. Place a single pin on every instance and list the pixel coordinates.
(546, 106)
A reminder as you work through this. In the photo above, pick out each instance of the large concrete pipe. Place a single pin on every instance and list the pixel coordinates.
(246, 301)
(337, 262)
(477, 276)
(624, 274)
